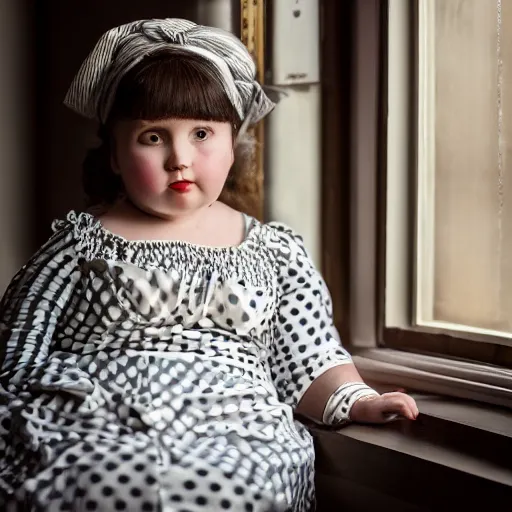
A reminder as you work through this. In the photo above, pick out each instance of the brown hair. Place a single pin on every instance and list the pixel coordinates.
(164, 85)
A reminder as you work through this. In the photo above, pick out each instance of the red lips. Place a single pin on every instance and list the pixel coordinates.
(180, 186)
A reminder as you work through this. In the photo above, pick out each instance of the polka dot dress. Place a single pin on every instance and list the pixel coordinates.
(161, 376)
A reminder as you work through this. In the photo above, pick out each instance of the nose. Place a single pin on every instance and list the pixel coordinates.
(179, 156)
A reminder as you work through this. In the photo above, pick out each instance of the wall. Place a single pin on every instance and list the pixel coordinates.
(15, 142)
(293, 172)
(294, 164)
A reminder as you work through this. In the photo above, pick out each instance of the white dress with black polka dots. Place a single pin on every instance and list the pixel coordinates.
(161, 376)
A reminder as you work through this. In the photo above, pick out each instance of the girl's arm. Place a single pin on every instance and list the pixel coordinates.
(31, 307)
(312, 371)
(368, 409)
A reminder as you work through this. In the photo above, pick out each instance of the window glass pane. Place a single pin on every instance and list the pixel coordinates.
(473, 163)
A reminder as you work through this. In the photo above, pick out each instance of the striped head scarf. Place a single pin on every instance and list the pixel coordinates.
(93, 89)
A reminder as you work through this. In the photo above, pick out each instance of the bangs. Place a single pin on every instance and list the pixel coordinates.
(173, 85)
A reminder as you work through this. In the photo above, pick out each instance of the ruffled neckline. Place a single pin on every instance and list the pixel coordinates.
(86, 224)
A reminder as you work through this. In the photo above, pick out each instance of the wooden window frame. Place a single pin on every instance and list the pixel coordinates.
(335, 65)
(354, 251)
(249, 195)
(423, 339)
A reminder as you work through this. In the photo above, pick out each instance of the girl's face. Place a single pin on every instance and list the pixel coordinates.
(172, 167)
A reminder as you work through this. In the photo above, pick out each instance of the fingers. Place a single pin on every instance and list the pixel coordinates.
(410, 404)
(399, 403)
(411, 401)
(413, 405)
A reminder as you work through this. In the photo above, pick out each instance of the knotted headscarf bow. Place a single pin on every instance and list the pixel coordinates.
(93, 89)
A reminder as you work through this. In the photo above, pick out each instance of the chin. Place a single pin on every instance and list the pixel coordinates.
(171, 207)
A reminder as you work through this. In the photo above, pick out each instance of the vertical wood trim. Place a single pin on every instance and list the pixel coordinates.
(252, 14)
(336, 27)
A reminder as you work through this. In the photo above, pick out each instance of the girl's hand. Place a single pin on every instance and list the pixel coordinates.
(383, 408)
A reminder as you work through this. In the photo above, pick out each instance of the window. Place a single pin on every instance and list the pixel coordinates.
(431, 227)
(464, 192)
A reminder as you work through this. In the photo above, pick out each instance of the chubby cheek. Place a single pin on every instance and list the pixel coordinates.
(142, 176)
(212, 168)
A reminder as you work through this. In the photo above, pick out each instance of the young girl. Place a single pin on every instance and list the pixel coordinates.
(153, 356)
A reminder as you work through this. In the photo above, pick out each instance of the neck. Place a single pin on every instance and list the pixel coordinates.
(129, 209)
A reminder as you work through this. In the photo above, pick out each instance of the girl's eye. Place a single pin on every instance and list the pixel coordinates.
(151, 138)
(201, 134)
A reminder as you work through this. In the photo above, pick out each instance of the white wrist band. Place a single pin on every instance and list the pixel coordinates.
(337, 409)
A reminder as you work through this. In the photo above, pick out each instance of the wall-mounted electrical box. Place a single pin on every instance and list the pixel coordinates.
(295, 42)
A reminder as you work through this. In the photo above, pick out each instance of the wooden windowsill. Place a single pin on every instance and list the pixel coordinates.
(456, 452)
(424, 373)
